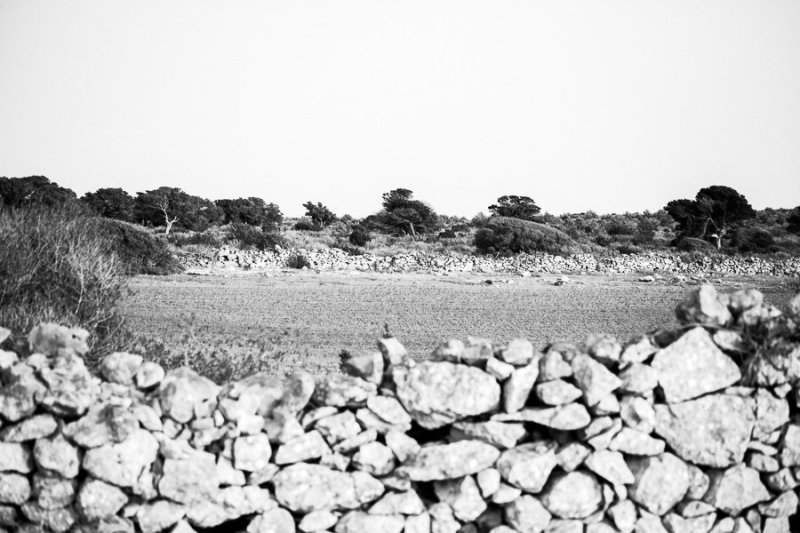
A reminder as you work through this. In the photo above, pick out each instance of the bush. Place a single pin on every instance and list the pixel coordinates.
(139, 251)
(305, 224)
(203, 238)
(248, 236)
(505, 236)
(447, 234)
(359, 236)
(752, 240)
(618, 227)
(628, 249)
(692, 244)
(298, 261)
(56, 267)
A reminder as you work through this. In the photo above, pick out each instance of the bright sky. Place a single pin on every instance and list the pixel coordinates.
(612, 106)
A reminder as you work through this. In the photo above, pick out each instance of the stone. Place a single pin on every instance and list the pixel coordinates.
(498, 369)
(569, 417)
(102, 424)
(320, 520)
(777, 525)
(603, 434)
(526, 514)
(571, 455)
(553, 366)
(637, 413)
(97, 499)
(518, 352)
(338, 427)
(440, 393)
(282, 426)
(649, 523)
(340, 390)
(369, 420)
(189, 479)
(790, 449)
(678, 524)
(389, 409)
(227, 504)
(528, 466)
(121, 463)
(183, 391)
(56, 454)
(604, 348)
(573, 495)
(70, 387)
(52, 491)
(771, 414)
(14, 488)
(698, 483)
(498, 434)
(365, 365)
(638, 350)
(227, 474)
(488, 481)
(729, 341)
(272, 521)
(120, 367)
(711, 431)
(298, 389)
(693, 366)
(307, 446)
(57, 520)
(32, 428)
(349, 445)
(49, 339)
(734, 489)
(360, 522)
(632, 442)
(557, 392)
(393, 351)
(447, 461)
(159, 515)
(18, 393)
(442, 519)
(660, 482)
(594, 379)
(402, 445)
(704, 307)
(463, 497)
(693, 508)
(374, 458)
(518, 387)
(251, 453)
(607, 405)
(304, 487)
(623, 514)
(406, 503)
(611, 466)
(784, 505)
(148, 375)
(638, 379)
(420, 523)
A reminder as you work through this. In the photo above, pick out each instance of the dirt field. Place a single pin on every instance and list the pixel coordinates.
(304, 320)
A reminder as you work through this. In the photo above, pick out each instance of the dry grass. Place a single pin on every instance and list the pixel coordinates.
(304, 320)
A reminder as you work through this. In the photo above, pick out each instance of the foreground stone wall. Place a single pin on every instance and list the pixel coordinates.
(691, 430)
(335, 259)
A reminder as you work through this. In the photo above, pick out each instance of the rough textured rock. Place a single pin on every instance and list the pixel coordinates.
(568, 417)
(712, 431)
(518, 386)
(693, 366)
(526, 514)
(304, 487)
(97, 499)
(344, 391)
(120, 367)
(121, 464)
(500, 434)
(736, 488)
(594, 379)
(528, 466)
(573, 495)
(449, 461)
(183, 391)
(660, 482)
(189, 479)
(439, 393)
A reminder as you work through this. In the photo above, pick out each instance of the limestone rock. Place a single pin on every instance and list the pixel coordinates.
(319, 520)
(401, 445)
(594, 379)
(48, 339)
(57, 520)
(736, 488)
(462, 495)
(189, 479)
(405, 503)
(149, 374)
(553, 366)
(448, 461)
(393, 351)
(389, 410)
(573, 495)
(611, 466)
(632, 442)
(53, 491)
(693, 366)
(704, 307)
(341, 390)
(365, 365)
(637, 413)
(159, 515)
(526, 514)
(120, 367)
(32, 428)
(660, 482)
(790, 450)
(102, 424)
(251, 453)
(567, 417)
(518, 387)
(638, 379)
(98, 499)
(56, 454)
(498, 434)
(712, 431)
(557, 392)
(518, 352)
(338, 427)
(228, 504)
(14, 488)
(306, 447)
(442, 519)
(604, 348)
(121, 464)
(374, 458)
(528, 466)
(18, 393)
(440, 393)
(304, 487)
(71, 388)
(183, 391)
(771, 414)
(273, 521)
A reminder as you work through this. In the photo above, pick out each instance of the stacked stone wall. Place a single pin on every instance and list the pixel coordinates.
(691, 430)
(334, 259)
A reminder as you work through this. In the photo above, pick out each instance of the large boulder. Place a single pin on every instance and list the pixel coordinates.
(711, 431)
(692, 366)
(440, 393)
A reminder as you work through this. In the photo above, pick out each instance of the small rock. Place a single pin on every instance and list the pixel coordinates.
(251, 453)
(98, 499)
(568, 417)
(527, 514)
(15, 488)
(374, 458)
(119, 464)
(611, 466)
(462, 495)
(495, 433)
(56, 454)
(307, 446)
(448, 461)
(120, 367)
(32, 428)
(149, 374)
(528, 466)
(660, 482)
(557, 392)
(340, 390)
(573, 495)
(735, 489)
(704, 307)
(272, 521)
(406, 503)
(594, 379)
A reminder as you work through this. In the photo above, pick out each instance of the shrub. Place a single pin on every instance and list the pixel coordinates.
(305, 224)
(252, 237)
(507, 236)
(139, 251)
(56, 267)
(752, 240)
(204, 238)
(447, 234)
(628, 249)
(645, 231)
(691, 244)
(618, 227)
(298, 261)
(359, 236)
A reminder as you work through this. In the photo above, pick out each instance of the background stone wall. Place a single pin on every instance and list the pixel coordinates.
(690, 430)
(335, 259)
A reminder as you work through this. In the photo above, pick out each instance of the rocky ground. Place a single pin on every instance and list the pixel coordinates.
(336, 259)
(689, 429)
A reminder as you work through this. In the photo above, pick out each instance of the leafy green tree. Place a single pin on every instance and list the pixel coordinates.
(110, 203)
(320, 215)
(402, 214)
(170, 206)
(513, 206)
(714, 212)
(33, 190)
(252, 211)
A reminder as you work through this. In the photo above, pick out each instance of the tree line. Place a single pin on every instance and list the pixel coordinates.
(714, 215)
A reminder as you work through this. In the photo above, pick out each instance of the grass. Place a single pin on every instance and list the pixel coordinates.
(304, 320)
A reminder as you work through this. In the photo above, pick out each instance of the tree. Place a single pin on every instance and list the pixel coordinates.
(33, 190)
(793, 221)
(110, 203)
(404, 215)
(514, 206)
(252, 211)
(714, 212)
(171, 206)
(320, 215)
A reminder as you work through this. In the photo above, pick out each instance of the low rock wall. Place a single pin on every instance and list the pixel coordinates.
(690, 430)
(335, 259)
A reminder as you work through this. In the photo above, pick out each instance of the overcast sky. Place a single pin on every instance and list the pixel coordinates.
(582, 104)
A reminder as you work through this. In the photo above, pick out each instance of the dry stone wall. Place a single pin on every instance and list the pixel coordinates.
(691, 430)
(335, 259)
